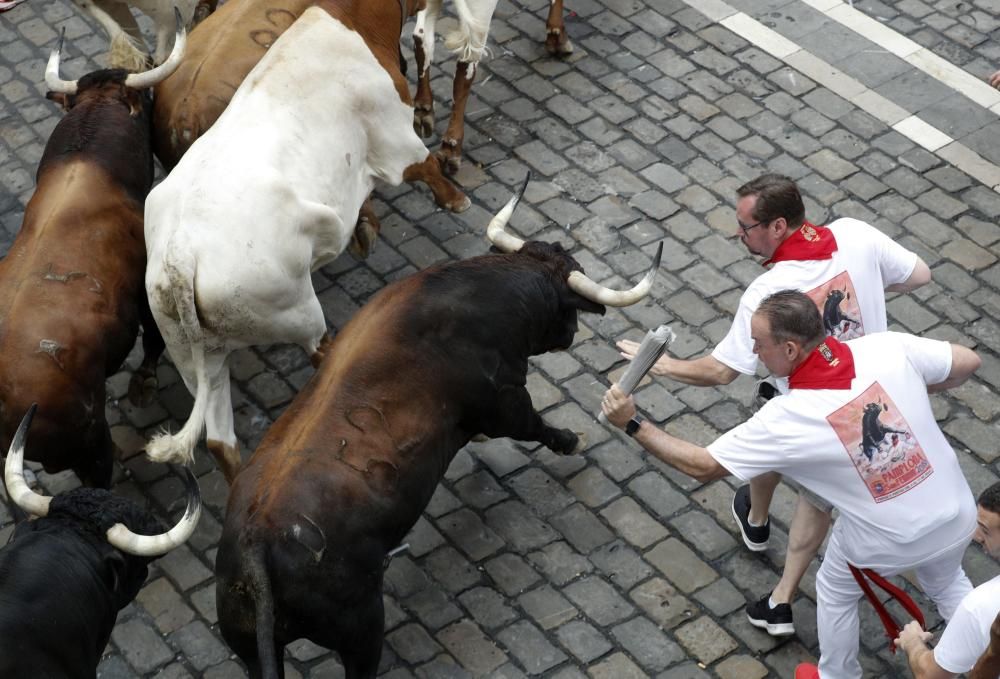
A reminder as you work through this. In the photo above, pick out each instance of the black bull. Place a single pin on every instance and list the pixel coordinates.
(873, 431)
(345, 472)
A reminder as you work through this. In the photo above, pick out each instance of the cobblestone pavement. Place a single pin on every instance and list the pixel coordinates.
(607, 564)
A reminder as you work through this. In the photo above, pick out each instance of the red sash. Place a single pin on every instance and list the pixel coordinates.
(808, 242)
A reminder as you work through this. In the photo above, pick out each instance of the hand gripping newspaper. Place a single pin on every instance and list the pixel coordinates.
(652, 347)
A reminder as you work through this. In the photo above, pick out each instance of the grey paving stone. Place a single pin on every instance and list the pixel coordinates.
(535, 653)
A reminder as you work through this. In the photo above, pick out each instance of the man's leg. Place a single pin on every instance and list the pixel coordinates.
(837, 618)
(761, 493)
(750, 505)
(944, 581)
(810, 525)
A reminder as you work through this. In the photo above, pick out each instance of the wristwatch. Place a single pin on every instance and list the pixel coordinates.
(632, 426)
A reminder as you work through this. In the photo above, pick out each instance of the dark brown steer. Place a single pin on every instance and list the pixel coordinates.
(71, 286)
(345, 472)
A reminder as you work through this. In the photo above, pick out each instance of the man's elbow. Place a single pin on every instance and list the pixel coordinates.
(920, 276)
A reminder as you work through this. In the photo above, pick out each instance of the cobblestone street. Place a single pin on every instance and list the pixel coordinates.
(607, 564)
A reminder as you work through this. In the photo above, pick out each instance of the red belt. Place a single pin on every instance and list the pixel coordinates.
(892, 628)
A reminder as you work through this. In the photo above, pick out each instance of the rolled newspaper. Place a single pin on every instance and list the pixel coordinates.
(652, 347)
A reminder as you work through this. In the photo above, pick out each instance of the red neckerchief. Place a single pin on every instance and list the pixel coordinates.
(829, 366)
(807, 242)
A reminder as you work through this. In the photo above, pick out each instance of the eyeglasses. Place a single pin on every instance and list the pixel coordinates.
(746, 227)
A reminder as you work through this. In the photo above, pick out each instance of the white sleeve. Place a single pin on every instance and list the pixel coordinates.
(931, 358)
(751, 448)
(736, 348)
(895, 262)
(962, 642)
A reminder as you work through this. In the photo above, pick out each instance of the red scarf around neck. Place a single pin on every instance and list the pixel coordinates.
(829, 366)
(806, 243)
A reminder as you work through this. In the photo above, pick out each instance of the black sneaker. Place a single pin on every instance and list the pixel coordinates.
(754, 537)
(777, 621)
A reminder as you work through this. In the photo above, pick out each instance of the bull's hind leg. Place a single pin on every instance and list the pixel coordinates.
(143, 384)
(514, 415)
(220, 434)
(556, 40)
(361, 655)
(446, 194)
(423, 51)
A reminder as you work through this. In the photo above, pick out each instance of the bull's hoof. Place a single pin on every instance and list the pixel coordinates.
(450, 156)
(423, 121)
(566, 442)
(581, 443)
(364, 239)
(557, 43)
(461, 204)
(142, 389)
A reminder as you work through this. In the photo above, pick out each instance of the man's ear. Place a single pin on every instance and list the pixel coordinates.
(60, 98)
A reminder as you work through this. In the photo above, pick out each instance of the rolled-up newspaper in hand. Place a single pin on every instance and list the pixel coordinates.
(652, 347)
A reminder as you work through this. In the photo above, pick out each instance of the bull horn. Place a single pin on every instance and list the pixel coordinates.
(140, 81)
(582, 285)
(506, 242)
(52, 79)
(122, 538)
(17, 487)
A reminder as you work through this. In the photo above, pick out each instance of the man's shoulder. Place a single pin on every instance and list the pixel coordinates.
(988, 593)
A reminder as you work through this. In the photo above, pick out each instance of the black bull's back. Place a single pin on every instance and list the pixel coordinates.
(345, 472)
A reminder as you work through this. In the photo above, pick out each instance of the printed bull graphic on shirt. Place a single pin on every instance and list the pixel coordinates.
(838, 304)
(874, 431)
(880, 445)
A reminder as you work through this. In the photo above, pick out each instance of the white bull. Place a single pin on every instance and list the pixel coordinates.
(268, 194)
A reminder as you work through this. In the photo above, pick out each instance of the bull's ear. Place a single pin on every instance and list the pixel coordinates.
(60, 98)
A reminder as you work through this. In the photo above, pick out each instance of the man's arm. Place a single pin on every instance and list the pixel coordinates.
(693, 460)
(964, 362)
(706, 371)
(921, 275)
(912, 640)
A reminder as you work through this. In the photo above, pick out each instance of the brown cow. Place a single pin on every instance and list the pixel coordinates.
(228, 44)
(345, 472)
(71, 286)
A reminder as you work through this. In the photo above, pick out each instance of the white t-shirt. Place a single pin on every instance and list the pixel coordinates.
(873, 451)
(968, 632)
(848, 288)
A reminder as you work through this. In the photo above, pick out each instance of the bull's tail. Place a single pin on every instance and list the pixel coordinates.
(179, 267)
(263, 602)
(468, 42)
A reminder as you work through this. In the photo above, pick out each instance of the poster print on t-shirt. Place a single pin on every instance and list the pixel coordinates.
(839, 306)
(879, 442)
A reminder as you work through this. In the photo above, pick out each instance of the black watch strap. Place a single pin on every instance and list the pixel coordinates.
(633, 425)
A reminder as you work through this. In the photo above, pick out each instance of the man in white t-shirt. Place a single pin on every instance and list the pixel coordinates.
(845, 268)
(856, 428)
(967, 635)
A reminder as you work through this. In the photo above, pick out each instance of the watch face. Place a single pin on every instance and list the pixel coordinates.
(633, 426)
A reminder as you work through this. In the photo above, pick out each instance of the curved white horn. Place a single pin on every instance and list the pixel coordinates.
(140, 81)
(122, 538)
(17, 487)
(595, 292)
(52, 79)
(506, 242)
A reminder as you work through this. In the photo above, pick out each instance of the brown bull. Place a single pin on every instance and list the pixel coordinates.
(345, 472)
(71, 287)
(229, 43)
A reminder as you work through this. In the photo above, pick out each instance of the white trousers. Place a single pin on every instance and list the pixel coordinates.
(837, 595)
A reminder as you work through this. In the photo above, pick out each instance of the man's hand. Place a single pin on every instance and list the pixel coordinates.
(617, 407)
(911, 635)
(995, 80)
(628, 349)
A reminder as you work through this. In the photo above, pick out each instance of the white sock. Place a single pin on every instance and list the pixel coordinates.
(770, 602)
(755, 525)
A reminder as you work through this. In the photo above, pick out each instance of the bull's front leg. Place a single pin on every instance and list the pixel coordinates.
(556, 41)
(450, 152)
(365, 232)
(516, 417)
(446, 194)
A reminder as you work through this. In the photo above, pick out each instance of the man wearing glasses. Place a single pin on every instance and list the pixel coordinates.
(845, 268)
